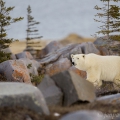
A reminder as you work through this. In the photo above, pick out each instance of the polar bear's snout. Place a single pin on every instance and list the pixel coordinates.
(73, 63)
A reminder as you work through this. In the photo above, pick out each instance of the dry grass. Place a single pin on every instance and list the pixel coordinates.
(19, 46)
(74, 38)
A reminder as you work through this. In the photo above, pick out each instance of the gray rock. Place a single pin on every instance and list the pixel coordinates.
(50, 91)
(84, 115)
(66, 51)
(34, 65)
(51, 47)
(101, 41)
(59, 66)
(117, 117)
(58, 54)
(110, 99)
(74, 88)
(8, 50)
(15, 70)
(89, 47)
(48, 59)
(24, 55)
(22, 95)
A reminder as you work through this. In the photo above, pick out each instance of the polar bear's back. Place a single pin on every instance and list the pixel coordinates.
(108, 66)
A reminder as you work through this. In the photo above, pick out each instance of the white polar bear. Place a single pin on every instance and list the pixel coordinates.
(98, 67)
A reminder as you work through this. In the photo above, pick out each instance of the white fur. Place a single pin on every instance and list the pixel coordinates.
(98, 67)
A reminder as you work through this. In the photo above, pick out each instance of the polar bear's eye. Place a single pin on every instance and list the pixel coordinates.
(83, 56)
(77, 58)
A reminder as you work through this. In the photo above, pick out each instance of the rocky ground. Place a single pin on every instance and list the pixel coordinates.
(54, 89)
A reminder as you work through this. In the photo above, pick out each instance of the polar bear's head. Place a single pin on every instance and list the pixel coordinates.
(78, 61)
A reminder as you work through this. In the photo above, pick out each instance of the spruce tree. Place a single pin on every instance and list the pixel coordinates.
(32, 32)
(109, 16)
(115, 23)
(5, 21)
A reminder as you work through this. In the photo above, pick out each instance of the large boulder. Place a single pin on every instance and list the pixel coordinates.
(101, 41)
(89, 47)
(58, 54)
(51, 47)
(81, 73)
(74, 88)
(84, 115)
(66, 51)
(59, 66)
(22, 95)
(52, 94)
(103, 50)
(24, 55)
(15, 70)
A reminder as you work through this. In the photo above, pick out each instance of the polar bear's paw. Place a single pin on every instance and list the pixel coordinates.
(96, 83)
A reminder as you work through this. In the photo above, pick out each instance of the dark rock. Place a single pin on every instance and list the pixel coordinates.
(103, 50)
(117, 116)
(51, 47)
(22, 95)
(89, 47)
(50, 91)
(15, 70)
(24, 55)
(74, 88)
(109, 99)
(84, 115)
(59, 66)
(8, 50)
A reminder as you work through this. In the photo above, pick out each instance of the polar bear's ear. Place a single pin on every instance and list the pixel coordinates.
(71, 55)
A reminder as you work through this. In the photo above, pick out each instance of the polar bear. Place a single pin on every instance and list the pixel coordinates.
(98, 67)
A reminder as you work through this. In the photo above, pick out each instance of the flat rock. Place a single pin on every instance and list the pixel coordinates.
(110, 99)
(24, 55)
(74, 88)
(59, 66)
(15, 70)
(52, 94)
(22, 95)
(84, 115)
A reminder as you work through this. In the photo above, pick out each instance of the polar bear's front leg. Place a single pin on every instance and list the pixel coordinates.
(94, 77)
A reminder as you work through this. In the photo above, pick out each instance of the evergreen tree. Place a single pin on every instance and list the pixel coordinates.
(32, 32)
(115, 23)
(5, 21)
(110, 15)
